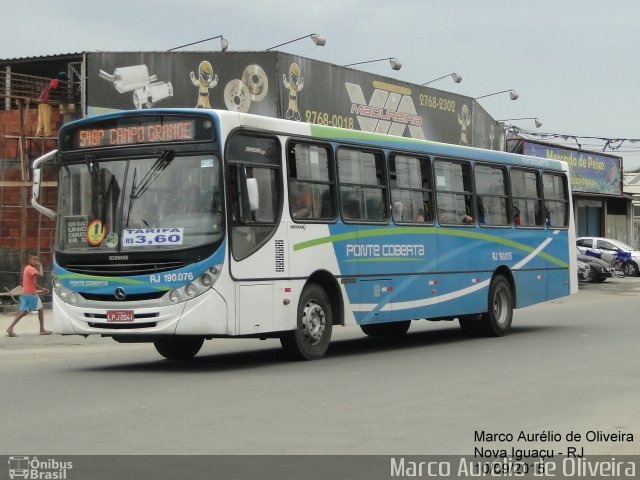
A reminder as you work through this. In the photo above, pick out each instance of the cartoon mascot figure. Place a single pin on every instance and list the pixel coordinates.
(294, 84)
(205, 81)
(464, 120)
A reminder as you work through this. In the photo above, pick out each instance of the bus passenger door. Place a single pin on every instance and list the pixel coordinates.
(258, 240)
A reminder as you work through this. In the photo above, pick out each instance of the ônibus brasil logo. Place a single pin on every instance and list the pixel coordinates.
(33, 468)
(390, 110)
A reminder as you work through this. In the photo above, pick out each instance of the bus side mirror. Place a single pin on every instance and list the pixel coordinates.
(37, 180)
(252, 194)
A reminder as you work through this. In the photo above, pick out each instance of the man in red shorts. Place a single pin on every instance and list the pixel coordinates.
(29, 299)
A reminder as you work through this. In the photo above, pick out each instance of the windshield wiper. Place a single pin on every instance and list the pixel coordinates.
(94, 171)
(161, 163)
(154, 172)
(132, 196)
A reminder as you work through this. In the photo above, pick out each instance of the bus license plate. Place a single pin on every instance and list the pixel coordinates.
(119, 316)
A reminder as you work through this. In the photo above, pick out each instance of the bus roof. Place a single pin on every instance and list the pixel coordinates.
(391, 142)
(328, 133)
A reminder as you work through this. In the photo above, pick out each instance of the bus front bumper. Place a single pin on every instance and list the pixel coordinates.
(203, 315)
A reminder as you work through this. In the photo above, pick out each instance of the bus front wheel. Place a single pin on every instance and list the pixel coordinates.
(497, 321)
(310, 340)
(179, 347)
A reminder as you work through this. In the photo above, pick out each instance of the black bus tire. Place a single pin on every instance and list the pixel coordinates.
(310, 340)
(496, 322)
(471, 325)
(179, 347)
(390, 329)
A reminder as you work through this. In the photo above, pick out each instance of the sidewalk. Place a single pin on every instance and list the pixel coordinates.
(29, 338)
(28, 325)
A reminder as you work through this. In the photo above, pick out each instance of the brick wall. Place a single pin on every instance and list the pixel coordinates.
(39, 229)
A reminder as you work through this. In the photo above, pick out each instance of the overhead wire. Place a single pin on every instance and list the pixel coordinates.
(613, 144)
(627, 147)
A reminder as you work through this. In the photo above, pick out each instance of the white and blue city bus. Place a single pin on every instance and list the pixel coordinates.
(176, 226)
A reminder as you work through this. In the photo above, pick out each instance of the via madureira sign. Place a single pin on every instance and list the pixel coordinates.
(590, 172)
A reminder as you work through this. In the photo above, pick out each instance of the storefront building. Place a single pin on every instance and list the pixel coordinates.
(600, 206)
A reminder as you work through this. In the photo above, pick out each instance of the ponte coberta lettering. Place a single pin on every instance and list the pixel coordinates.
(385, 250)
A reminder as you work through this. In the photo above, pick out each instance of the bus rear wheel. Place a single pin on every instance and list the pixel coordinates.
(392, 329)
(310, 340)
(497, 321)
(179, 347)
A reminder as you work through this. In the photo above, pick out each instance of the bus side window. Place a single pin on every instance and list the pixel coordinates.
(525, 189)
(363, 194)
(492, 198)
(454, 192)
(556, 201)
(411, 199)
(311, 186)
(257, 157)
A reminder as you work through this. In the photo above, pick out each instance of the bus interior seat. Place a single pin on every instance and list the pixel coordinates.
(396, 211)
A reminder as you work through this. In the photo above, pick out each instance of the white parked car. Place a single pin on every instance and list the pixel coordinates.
(607, 248)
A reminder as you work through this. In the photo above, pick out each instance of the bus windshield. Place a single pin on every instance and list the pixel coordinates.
(135, 204)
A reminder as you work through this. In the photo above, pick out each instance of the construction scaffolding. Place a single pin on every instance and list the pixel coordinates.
(20, 224)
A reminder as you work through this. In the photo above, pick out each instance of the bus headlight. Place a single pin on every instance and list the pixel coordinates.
(191, 290)
(197, 287)
(66, 295)
(174, 296)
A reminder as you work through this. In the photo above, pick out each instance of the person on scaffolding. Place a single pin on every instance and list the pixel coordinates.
(44, 105)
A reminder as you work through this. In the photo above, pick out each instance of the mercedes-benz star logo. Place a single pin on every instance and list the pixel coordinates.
(120, 293)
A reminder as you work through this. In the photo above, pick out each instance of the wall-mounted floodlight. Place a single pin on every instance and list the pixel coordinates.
(456, 77)
(535, 119)
(395, 63)
(319, 40)
(224, 44)
(512, 94)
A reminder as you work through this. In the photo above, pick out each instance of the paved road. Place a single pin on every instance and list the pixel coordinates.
(569, 365)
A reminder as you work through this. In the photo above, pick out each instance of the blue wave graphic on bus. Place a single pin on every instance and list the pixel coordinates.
(164, 281)
(437, 271)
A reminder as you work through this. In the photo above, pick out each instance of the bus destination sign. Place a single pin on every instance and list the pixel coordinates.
(145, 131)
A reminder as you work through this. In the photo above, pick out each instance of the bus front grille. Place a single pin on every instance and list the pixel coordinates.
(99, 320)
(122, 326)
(134, 297)
(112, 269)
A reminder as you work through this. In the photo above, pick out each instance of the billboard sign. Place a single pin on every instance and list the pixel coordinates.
(590, 172)
(286, 86)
